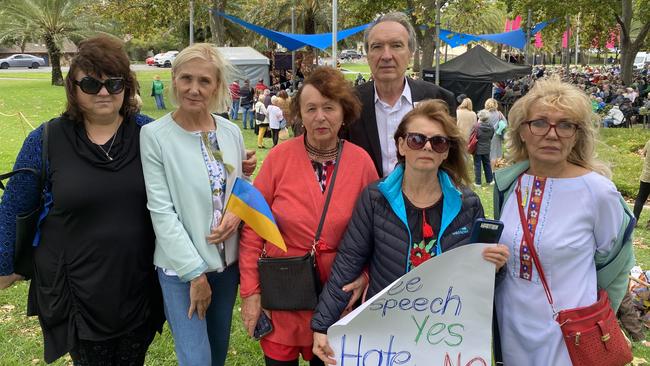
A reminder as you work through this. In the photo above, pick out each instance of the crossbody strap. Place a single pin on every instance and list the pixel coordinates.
(44, 154)
(531, 244)
(330, 189)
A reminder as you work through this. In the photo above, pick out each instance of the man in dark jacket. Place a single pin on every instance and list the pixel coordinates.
(247, 94)
(390, 43)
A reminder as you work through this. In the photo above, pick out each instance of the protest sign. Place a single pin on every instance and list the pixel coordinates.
(440, 313)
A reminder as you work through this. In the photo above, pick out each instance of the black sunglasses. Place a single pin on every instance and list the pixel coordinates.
(90, 85)
(416, 141)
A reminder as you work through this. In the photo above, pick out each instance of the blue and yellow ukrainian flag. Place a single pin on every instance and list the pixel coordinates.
(249, 205)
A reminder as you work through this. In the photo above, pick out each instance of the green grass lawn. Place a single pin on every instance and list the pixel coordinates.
(20, 338)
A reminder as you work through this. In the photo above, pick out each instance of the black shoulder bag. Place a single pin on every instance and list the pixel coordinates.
(27, 223)
(293, 283)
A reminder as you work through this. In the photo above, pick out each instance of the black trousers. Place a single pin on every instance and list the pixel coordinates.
(271, 362)
(275, 134)
(127, 350)
(644, 191)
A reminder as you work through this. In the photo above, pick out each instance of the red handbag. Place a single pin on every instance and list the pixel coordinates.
(473, 140)
(591, 333)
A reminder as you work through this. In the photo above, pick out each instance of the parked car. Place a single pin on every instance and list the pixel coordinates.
(166, 59)
(22, 60)
(350, 55)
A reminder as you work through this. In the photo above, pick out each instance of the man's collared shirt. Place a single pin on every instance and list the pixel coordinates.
(388, 118)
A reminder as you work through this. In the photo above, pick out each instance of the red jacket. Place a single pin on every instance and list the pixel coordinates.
(289, 185)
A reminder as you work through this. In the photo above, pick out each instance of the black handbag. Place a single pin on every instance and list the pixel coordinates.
(27, 222)
(293, 283)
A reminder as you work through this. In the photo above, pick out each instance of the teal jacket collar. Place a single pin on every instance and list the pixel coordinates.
(391, 188)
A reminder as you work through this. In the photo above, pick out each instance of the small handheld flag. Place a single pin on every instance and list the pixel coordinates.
(249, 205)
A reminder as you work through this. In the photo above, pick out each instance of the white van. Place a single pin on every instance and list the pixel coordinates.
(641, 59)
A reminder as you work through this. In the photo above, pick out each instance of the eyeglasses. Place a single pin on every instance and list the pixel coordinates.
(541, 127)
(416, 141)
(90, 85)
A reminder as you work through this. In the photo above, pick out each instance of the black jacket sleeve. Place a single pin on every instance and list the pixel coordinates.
(353, 254)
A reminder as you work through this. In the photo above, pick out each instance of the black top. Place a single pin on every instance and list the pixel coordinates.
(423, 245)
(94, 274)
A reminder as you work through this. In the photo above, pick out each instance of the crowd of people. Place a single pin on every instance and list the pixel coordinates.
(138, 232)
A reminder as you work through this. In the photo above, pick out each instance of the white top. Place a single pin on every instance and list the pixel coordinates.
(388, 118)
(275, 116)
(577, 217)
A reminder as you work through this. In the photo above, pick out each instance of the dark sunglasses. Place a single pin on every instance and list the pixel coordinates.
(416, 141)
(90, 85)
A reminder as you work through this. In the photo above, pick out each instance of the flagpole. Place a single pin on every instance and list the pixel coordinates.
(527, 58)
(293, 53)
(334, 31)
(437, 44)
(191, 22)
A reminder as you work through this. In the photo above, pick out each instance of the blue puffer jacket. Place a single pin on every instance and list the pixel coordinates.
(22, 195)
(378, 236)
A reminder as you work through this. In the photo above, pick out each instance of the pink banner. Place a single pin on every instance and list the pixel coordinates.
(538, 40)
(516, 23)
(508, 25)
(613, 39)
(565, 41)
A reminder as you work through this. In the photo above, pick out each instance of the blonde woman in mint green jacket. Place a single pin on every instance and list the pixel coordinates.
(191, 159)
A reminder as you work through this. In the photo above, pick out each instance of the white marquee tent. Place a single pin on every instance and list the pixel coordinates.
(249, 64)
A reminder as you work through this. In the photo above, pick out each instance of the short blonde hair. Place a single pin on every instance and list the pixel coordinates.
(223, 70)
(556, 94)
(466, 104)
(491, 104)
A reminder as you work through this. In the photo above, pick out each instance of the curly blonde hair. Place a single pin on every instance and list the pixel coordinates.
(575, 104)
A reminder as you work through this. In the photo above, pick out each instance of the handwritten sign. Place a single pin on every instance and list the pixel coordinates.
(440, 313)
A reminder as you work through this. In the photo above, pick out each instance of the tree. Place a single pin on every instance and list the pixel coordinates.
(52, 21)
(632, 17)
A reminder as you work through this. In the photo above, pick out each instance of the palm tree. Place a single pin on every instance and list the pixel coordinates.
(52, 21)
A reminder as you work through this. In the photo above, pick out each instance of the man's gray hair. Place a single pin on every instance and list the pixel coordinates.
(397, 17)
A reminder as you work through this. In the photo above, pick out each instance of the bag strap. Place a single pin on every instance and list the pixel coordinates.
(531, 244)
(44, 154)
(330, 189)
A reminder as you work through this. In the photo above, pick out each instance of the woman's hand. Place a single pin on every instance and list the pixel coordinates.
(357, 287)
(251, 308)
(497, 254)
(6, 281)
(248, 165)
(200, 296)
(322, 349)
(227, 227)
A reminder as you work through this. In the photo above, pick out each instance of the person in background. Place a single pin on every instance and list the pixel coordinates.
(390, 43)
(246, 103)
(551, 145)
(191, 159)
(466, 117)
(496, 146)
(235, 95)
(261, 118)
(326, 104)
(260, 85)
(614, 117)
(482, 153)
(157, 92)
(94, 289)
(421, 210)
(284, 102)
(644, 183)
(275, 119)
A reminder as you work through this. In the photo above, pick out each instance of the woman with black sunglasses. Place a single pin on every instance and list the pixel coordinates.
(94, 287)
(422, 209)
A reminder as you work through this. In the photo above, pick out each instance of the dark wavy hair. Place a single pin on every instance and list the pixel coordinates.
(331, 84)
(436, 110)
(100, 56)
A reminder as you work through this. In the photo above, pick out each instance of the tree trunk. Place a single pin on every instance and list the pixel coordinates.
(218, 29)
(428, 48)
(54, 52)
(499, 50)
(416, 60)
(629, 47)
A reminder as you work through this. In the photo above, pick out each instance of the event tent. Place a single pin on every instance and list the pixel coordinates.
(473, 73)
(249, 64)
